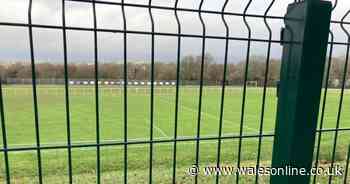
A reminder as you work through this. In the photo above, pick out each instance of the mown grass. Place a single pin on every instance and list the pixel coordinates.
(20, 129)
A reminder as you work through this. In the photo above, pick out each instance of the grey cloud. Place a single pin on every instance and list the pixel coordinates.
(48, 43)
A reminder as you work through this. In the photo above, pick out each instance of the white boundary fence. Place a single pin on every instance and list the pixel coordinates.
(88, 82)
(116, 82)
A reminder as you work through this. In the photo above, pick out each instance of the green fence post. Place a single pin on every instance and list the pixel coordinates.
(305, 41)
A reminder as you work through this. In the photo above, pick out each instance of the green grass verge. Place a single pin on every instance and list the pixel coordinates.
(20, 128)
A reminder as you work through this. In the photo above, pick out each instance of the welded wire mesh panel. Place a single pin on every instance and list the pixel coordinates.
(141, 91)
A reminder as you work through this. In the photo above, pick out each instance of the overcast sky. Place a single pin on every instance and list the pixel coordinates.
(14, 43)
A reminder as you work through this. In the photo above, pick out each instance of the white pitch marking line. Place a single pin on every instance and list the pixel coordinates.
(212, 116)
(157, 128)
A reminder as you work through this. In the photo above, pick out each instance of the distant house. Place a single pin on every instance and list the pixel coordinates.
(335, 83)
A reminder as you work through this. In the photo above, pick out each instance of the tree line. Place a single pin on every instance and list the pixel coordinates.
(190, 70)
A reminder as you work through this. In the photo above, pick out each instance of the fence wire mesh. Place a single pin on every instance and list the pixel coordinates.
(270, 39)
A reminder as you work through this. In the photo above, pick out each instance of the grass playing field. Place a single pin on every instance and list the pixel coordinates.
(19, 116)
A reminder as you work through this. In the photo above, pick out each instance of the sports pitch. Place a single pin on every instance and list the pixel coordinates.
(19, 118)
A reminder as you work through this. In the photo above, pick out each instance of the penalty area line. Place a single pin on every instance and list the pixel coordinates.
(212, 116)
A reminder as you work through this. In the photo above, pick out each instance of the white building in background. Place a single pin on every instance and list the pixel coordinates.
(335, 82)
